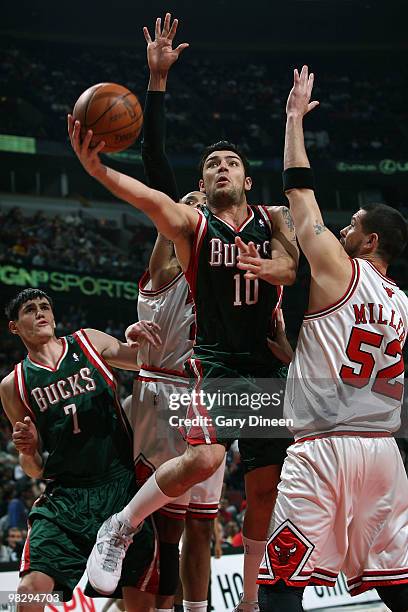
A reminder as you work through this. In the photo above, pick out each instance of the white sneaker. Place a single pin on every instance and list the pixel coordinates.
(104, 565)
(246, 606)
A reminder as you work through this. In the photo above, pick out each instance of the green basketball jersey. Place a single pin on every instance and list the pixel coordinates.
(77, 414)
(233, 314)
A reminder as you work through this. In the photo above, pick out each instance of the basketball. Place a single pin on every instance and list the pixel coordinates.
(112, 112)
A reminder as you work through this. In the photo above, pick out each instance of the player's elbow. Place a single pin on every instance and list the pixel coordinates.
(289, 274)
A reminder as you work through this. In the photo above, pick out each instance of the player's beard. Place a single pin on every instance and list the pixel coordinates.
(224, 198)
(352, 250)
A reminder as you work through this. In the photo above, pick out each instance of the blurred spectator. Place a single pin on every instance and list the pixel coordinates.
(361, 114)
(15, 543)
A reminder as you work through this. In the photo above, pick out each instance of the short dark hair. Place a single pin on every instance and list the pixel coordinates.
(391, 227)
(13, 307)
(224, 145)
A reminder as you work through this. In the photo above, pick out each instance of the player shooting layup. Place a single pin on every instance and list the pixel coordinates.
(165, 297)
(233, 315)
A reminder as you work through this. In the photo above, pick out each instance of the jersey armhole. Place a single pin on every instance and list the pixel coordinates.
(95, 357)
(191, 272)
(21, 389)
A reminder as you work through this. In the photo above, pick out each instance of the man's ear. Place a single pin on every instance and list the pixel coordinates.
(372, 241)
(201, 185)
(13, 328)
(248, 183)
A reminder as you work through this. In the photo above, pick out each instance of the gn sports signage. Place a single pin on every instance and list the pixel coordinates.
(93, 286)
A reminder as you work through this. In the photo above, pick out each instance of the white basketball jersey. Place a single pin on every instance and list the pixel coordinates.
(172, 308)
(347, 373)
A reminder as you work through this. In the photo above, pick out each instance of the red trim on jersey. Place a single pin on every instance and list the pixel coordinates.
(154, 292)
(310, 579)
(105, 363)
(144, 279)
(196, 511)
(370, 579)
(247, 219)
(151, 368)
(196, 433)
(204, 506)
(265, 208)
(23, 398)
(389, 280)
(149, 581)
(178, 516)
(199, 234)
(25, 557)
(351, 434)
(367, 585)
(195, 514)
(112, 383)
(264, 215)
(60, 358)
(90, 357)
(355, 277)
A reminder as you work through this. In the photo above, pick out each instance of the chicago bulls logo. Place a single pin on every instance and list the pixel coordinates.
(390, 292)
(287, 551)
(143, 469)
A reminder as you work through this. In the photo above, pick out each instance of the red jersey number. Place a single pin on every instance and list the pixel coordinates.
(361, 377)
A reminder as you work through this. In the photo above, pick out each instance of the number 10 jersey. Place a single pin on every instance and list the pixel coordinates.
(233, 314)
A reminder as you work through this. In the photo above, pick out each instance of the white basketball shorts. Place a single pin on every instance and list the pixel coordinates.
(155, 442)
(342, 505)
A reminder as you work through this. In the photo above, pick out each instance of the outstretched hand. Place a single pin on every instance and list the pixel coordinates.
(89, 157)
(25, 436)
(299, 97)
(143, 331)
(160, 53)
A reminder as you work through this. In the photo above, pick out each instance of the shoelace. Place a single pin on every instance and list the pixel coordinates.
(115, 549)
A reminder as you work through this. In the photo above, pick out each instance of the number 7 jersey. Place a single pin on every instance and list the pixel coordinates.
(347, 373)
(77, 414)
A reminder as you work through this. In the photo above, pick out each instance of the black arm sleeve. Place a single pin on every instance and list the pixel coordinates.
(158, 171)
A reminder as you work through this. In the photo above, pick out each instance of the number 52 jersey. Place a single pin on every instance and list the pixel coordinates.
(347, 374)
(77, 414)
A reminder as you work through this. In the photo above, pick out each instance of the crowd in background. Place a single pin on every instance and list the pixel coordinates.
(360, 117)
(74, 243)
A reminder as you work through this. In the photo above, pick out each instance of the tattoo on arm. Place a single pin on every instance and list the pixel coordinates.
(287, 217)
(319, 228)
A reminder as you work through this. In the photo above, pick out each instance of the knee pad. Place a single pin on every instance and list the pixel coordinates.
(280, 598)
(395, 597)
(169, 568)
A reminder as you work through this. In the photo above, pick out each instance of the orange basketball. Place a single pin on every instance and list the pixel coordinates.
(112, 112)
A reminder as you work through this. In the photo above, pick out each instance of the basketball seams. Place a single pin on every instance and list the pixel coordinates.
(87, 106)
(113, 113)
(122, 127)
(115, 102)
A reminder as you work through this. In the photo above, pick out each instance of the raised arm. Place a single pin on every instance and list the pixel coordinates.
(25, 435)
(329, 263)
(177, 223)
(163, 264)
(160, 57)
